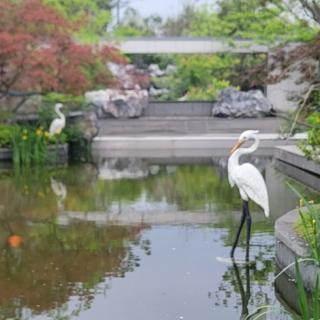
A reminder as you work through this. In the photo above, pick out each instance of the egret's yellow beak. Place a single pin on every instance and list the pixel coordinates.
(236, 146)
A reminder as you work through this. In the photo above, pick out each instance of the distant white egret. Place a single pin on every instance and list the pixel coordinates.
(59, 123)
(249, 181)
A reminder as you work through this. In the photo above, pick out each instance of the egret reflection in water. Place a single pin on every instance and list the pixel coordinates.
(60, 190)
(244, 289)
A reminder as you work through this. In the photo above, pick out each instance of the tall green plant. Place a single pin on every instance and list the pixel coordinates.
(311, 147)
(310, 225)
(29, 146)
(307, 313)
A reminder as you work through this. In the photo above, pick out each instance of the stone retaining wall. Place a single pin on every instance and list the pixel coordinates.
(178, 108)
(62, 154)
(290, 246)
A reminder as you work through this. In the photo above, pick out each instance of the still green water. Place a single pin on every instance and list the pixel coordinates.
(129, 239)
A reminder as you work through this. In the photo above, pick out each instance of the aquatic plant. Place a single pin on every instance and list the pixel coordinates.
(29, 146)
(309, 306)
(308, 226)
(307, 313)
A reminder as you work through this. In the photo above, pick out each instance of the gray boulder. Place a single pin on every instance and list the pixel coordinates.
(233, 103)
(89, 125)
(155, 71)
(128, 76)
(119, 103)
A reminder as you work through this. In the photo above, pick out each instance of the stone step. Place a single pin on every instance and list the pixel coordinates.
(181, 145)
(185, 126)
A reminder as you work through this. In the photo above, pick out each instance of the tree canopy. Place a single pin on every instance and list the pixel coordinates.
(266, 21)
(96, 14)
(38, 53)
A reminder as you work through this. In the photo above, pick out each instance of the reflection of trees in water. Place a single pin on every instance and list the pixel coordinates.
(189, 187)
(192, 188)
(57, 262)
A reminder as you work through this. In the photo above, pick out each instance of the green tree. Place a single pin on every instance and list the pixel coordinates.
(181, 24)
(263, 20)
(96, 14)
(133, 24)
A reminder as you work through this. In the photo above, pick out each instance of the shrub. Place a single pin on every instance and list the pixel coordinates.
(210, 93)
(311, 149)
(6, 132)
(308, 226)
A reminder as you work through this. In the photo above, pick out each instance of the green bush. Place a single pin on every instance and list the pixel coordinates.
(209, 93)
(6, 132)
(308, 225)
(311, 148)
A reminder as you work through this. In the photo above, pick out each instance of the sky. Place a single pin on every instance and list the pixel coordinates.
(164, 8)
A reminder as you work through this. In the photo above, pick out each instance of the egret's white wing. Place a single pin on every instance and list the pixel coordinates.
(231, 182)
(250, 181)
(56, 126)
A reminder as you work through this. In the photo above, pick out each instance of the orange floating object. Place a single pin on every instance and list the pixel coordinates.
(15, 241)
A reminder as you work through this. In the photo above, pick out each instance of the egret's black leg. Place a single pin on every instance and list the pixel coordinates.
(243, 217)
(248, 217)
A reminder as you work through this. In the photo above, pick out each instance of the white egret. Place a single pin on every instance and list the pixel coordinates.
(59, 123)
(249, 181)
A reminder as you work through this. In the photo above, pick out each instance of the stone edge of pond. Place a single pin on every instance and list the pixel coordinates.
(294, 156)
(289, 246)
(6, 154)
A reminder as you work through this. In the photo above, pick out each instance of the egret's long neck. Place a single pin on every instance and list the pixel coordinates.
(234, 158)
(60, 114)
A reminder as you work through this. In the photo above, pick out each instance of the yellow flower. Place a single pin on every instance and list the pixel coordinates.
(24, 137)
(46, 134)
(38, 132)
(301, 203)
(25, 131)
(313, 221)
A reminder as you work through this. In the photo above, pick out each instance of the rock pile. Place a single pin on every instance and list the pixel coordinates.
(233, 103)
(118, 103)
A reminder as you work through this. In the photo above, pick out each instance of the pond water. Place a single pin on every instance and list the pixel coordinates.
(132, 239)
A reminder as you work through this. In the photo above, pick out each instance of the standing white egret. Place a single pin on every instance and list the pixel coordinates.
(59, 123)
(249, 181)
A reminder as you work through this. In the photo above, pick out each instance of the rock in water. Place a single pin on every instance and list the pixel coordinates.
(119, 168)
(119, 103)
(233, 103)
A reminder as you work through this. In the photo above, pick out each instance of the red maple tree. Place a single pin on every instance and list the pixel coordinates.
(39, 55)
